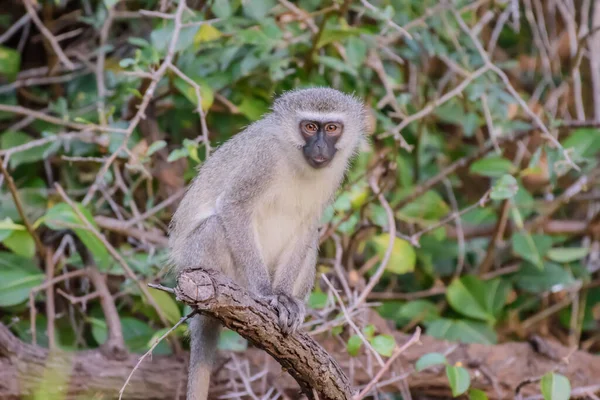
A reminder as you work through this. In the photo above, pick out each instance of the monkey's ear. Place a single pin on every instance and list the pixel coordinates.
(371, 121)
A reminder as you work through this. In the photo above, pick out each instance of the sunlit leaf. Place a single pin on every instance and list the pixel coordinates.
(384, 344)
(459, 379)
(555, 387)
(21, 243)
(476, 394)
(10, 62)
(207, 33)
(7, 226)
(189, 91)
(403, 256)
(167, 305)
(354, 344)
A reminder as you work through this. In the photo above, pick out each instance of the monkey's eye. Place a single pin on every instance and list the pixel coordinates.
(332, 129)
(311, 128)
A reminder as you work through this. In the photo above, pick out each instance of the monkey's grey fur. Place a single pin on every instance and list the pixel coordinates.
(253, 212)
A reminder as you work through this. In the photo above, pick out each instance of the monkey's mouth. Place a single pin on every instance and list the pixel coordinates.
(318, 161)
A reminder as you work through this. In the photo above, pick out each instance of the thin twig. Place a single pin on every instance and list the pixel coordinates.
(388, 252)
(397, 353)
(351, 322)
(160, 339)
(113, 252)
(48, 35)
(15, 195)
(156, 77)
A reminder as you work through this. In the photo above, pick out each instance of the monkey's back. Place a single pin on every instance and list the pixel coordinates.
(247, 150)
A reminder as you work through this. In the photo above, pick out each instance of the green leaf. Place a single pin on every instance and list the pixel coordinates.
(583, 142)
(567, 254)
(7, 227)
(354, 344)
(206, 33)
(459, 379)
(531, 247)
(429, 207)
(21, 243)
(16, 284)
(10, 63)
(257, 10)
(336, 35)
(535, 280)
(12, 261)
(232, 341)
(555, 387)
(477, 299)
(493, 167)
(403, 257)
(61, 216)
(190, 92)
(222, 8)
(464, 331)
(429, 360)
(138, 336)
(476, 394)
(416, 310)
(317, 300)
(177, 154)
(505, 188)
(337, 65)
(167, 305)
(356, 51)
(369, 331)
(253, 107)
(384, 344)
(156, 146)
(12, 139)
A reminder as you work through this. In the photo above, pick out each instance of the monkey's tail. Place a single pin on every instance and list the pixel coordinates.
(204, 332)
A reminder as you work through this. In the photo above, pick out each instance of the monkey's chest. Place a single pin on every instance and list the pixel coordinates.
(281, 223)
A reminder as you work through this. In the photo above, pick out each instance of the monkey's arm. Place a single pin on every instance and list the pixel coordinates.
(234, 211)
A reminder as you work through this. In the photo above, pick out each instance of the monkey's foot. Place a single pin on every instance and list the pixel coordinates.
(291, 311)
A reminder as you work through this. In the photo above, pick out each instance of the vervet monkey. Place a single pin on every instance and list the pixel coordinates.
(254, 208)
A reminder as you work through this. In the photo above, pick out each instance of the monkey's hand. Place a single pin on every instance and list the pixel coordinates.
(290, 310)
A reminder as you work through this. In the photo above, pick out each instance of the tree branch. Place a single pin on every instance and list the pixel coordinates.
(308, 363)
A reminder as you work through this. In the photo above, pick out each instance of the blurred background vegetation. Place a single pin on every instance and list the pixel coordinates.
(484, 157)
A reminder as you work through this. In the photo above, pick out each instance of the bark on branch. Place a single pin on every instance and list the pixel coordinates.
(299, 354)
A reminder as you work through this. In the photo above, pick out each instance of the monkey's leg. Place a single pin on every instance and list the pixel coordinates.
(204, 335)
(293, 282)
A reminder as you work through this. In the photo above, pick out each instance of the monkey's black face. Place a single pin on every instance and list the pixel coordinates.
(320, 138)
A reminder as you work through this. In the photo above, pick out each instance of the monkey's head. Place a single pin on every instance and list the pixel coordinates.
(320, 123)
